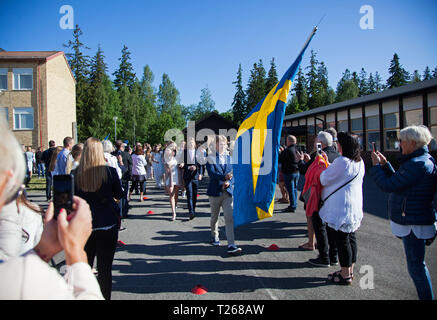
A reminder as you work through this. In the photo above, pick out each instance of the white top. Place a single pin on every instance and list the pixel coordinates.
(344, 209)
(138, 164)
(421, 232)
(30, 278)
(173, 164)
(113, 162)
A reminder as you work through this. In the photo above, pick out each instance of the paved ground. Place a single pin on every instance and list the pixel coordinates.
(164, 260)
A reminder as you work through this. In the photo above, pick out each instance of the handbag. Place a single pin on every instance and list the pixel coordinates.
(322, 202)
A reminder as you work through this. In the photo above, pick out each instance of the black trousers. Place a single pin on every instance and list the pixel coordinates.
(325, 240)
(347, 247)
(102, 244)
(191, 187)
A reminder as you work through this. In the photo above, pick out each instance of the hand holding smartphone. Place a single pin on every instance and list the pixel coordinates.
(63, 190)
(319, 148)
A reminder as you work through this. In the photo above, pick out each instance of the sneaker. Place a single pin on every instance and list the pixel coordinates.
(289, 209)
(232, 249)
(334, 263)
(191, 216)
(318, 262)
(215, 242)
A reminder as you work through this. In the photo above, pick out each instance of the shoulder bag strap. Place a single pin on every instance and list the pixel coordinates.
(323, 201)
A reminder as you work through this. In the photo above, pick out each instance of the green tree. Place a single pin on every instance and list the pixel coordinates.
(300, 89)
(398, 75)
(272, 77)
(256, 86)
(379, 85)
(427, 74)
(434, 73)
(313, 82)
(79, 63)
(371, 85)
(239, 102)
(124, 75)
(416, 76)
(147, 113)
(346, 87)
(363, 84)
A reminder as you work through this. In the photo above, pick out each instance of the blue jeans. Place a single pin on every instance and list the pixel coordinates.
(415, 253)
(41, 169)
(290, 181)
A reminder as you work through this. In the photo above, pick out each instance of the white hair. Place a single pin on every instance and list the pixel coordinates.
(419, 134)
(107, 146)
(11, 158)
(325, 138)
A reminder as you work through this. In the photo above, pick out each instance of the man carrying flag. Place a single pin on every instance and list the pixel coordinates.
(256, 151)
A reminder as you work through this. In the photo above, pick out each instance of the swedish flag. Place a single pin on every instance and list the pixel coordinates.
(256, 151)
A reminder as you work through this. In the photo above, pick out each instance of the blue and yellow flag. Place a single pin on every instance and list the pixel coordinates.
(256, 151)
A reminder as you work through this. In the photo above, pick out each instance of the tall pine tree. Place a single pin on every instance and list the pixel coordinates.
(272, 77)
(124, 75)
(398, 75)
(239, 102)
(256, 86)
(79, 63)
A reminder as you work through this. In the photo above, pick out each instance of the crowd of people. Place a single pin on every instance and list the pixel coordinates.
(106, 177)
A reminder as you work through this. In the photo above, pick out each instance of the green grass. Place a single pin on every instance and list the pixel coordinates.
(37, 183)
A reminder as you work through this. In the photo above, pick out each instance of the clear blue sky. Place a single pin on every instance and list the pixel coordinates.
(200, 43)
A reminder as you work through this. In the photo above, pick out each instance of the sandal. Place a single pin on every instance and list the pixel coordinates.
(332, 275)
(338, 279)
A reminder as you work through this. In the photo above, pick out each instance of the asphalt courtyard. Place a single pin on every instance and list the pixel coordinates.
(165, 260)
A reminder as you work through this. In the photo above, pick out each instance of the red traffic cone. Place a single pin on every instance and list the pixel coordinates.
(273, 247)
(150, 212)
(199, 289)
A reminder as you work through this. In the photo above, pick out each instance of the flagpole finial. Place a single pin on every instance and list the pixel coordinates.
(320, 21)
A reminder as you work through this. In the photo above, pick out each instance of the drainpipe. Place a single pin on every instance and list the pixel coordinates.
(39, 104)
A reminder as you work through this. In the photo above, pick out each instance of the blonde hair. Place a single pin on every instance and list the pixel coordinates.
(419, 134)
(92, 172)
(11, 158)
(75, 152)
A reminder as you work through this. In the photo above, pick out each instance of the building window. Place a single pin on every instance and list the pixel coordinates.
(310, 126)
(342, 125)
(391, 131)
(319, 124)
(373, 135)
(3, 79)
(4, 113)
(433, 125)
(23, 79)
(23, 118)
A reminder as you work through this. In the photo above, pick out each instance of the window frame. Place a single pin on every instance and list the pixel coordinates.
(4, 72)
(22, 111)
(18, 72)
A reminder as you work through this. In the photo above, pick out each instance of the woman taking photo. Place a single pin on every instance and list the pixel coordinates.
(410, 207)
(138, 172)
(342, 210)
(99, 184)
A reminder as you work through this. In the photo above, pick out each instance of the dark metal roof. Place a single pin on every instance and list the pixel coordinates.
(369, 99)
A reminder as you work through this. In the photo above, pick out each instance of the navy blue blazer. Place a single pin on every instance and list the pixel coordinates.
(217, 173)
(104, 209)
(188, 174)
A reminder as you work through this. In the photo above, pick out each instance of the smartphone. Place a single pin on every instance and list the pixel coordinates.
(374, 146)
(319, 148)
(63, 190)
